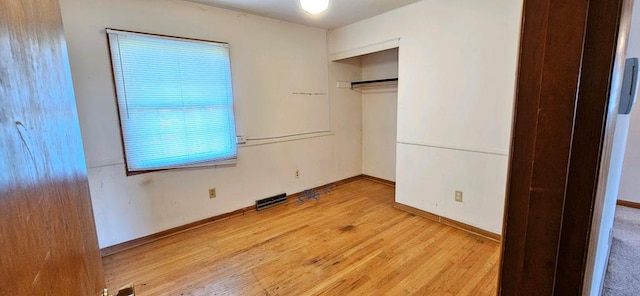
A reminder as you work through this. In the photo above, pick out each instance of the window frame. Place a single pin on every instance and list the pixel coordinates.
(129, 172)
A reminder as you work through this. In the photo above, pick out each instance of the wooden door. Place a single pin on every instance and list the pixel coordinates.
(568, 80)
(48, 243)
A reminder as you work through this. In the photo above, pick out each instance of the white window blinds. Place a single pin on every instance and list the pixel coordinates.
(175, 101)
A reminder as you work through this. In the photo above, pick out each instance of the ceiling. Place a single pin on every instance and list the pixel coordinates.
(339, 13)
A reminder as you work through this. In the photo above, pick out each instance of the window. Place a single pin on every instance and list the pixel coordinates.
(175, 101)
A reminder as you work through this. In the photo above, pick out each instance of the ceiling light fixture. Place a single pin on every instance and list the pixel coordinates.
(314, 6)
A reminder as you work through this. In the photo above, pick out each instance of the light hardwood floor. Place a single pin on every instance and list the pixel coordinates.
(351, 242)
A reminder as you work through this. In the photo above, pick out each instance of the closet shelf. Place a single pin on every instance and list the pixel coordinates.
(356, 85)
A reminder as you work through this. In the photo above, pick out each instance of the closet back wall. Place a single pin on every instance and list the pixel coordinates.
(270, 60)
(379, 111)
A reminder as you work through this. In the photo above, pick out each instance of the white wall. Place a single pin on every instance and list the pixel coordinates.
(457, 69)
(379, 110)
(270, 60)
(629, 185)
(624, 169)
(605, 225)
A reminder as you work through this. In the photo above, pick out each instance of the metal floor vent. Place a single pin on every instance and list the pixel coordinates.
(273, 201)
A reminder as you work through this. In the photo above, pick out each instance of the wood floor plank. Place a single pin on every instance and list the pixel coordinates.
(350, 242)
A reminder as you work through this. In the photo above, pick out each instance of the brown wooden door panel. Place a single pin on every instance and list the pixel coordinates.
(562, 130)
(48, 243)
(549, 69)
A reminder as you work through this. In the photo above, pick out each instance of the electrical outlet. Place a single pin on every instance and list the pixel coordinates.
(458, 196)
(297, 174)
(212, 193)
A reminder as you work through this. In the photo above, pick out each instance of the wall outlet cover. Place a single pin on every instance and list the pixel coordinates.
(458, 196)
(212, 193)
(241, 139)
